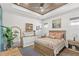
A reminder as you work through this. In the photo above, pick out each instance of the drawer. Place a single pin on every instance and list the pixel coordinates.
(28, 40)
(28, 44)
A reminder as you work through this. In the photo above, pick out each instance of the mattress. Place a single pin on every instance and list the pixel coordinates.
(49, 42)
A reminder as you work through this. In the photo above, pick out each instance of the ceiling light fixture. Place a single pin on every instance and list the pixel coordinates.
(18, 3)
(41, 7)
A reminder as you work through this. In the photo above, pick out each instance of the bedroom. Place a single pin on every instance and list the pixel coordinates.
(30, 25)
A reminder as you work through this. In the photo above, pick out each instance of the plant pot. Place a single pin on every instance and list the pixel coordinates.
(9, 45)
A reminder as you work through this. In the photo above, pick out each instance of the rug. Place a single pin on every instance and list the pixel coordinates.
(29, 51)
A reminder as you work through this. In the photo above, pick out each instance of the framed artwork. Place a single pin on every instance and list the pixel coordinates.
(37, 27)
(28, 27)
(56, 23)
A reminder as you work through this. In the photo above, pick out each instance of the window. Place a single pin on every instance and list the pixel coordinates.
(74, 21)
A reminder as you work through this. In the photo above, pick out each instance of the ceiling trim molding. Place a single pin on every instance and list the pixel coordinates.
(58, 11)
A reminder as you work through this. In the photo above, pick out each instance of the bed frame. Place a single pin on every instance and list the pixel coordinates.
(45, 50)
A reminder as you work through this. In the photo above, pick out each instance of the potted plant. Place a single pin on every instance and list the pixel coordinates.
(8, 34)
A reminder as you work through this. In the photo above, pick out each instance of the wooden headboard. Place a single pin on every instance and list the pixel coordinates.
(57, 34)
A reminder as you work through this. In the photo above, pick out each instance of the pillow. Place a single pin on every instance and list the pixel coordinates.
(56, 35)
(59, 36)
(52, 35)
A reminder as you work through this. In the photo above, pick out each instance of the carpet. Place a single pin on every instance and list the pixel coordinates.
(29, 51)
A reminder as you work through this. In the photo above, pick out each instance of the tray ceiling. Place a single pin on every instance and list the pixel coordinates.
(41, 8)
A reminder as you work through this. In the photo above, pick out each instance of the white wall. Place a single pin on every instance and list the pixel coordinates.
(65, 24)
(15, 19)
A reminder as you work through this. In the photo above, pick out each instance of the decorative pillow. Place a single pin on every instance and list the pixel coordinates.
(59, 36)
(52, 35)
(56, 35)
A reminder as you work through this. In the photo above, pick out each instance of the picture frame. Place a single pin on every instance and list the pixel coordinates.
(37, 27)
(56, 23)
(28, 27)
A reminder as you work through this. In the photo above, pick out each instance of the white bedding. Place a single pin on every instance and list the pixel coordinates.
(50, 43)
(55, 44)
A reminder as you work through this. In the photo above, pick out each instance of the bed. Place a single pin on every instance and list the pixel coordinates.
(52, 44)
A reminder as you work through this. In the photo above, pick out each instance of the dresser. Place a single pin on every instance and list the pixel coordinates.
(28, 39)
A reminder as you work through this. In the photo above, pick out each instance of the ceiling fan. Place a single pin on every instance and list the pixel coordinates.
(41, 4)
(41, 7)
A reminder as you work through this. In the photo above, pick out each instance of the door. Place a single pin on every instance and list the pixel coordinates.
(1, 32)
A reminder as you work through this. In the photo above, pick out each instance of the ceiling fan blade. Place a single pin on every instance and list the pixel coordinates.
(41, 4)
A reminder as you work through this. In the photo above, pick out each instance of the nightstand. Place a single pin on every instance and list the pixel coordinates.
(73, 44)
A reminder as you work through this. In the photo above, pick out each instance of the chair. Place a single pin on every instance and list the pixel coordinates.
(17, 42)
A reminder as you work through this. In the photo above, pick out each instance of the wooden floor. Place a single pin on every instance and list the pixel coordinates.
(30, 51)
(69, 52)
(63, 52)
(11, 52)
